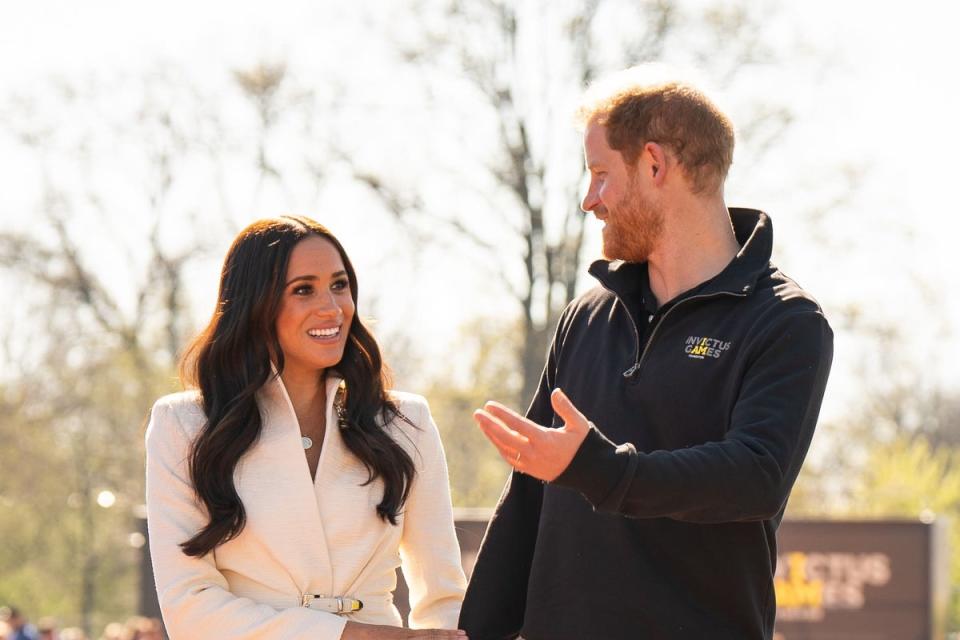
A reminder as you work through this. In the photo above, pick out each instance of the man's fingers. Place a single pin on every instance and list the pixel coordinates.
(513, 420)
(505, 439)
(571, 416)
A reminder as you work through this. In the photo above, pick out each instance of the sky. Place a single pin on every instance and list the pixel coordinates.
(879, 102)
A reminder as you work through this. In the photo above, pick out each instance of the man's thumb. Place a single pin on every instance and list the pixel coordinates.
(571, 416)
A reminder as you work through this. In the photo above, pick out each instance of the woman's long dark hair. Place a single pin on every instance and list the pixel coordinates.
(230, 361)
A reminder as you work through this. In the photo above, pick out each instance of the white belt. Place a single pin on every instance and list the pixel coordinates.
(331, 604)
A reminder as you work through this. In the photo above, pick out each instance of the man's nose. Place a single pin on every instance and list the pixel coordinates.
(590, 201)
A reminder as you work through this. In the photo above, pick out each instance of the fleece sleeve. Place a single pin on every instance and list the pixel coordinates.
(429, 551)
(749, 473)
(194, 596)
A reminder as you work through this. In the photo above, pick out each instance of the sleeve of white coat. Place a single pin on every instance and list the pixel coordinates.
(429, 551)
(194, 595)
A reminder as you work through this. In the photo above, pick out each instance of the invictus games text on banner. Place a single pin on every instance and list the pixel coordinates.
(809, 584)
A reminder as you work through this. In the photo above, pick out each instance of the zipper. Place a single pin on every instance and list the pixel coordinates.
(633, 323)
(632, 371)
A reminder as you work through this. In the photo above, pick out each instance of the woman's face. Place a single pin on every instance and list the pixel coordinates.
(316, 309)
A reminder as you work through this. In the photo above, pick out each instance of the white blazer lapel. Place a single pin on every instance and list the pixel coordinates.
(274, 482)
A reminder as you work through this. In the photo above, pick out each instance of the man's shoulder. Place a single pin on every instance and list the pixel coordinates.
(591, 299)
(779, 298)
(778, 289)
(584, 308)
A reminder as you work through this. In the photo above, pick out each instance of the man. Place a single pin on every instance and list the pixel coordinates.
(647, 493)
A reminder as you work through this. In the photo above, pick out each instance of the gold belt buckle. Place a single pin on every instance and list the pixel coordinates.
(343, 605)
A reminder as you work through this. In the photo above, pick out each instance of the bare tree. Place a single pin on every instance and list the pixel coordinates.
(522, 64)
(111, 335)
(105, 351)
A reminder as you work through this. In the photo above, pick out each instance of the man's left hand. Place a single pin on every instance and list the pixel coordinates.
(538, 451)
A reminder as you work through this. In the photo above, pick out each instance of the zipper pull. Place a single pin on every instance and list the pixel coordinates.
(629, 373)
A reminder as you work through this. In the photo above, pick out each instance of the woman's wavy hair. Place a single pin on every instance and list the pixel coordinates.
(231, 360)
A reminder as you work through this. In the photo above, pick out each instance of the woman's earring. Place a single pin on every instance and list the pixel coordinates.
(340, 405)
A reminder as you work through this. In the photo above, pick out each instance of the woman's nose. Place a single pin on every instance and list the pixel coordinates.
(327, 305)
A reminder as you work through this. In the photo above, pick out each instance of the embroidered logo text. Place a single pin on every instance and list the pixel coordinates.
(701, 347)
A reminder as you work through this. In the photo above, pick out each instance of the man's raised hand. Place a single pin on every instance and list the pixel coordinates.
(538, 451)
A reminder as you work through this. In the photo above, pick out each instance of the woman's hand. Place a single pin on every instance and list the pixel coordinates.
(360, 631)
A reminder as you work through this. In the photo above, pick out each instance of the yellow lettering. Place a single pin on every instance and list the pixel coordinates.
(796, 590)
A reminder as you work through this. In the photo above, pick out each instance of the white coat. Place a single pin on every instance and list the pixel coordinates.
(301, 537)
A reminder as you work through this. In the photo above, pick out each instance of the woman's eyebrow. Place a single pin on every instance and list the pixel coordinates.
(335, 274)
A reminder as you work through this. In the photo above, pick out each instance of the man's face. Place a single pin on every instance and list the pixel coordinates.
(632, 221)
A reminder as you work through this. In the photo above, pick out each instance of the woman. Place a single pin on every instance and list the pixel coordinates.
(287, 486)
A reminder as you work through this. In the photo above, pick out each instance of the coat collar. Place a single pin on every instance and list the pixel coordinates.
(279, 460)
(754, 233)
(275, 401)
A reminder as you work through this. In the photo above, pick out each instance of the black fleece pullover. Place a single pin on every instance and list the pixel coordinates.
(664, 525)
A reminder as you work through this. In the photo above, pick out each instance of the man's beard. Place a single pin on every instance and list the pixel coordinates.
(633, 227)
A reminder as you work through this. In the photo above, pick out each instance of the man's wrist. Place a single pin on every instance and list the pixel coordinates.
(596, 468)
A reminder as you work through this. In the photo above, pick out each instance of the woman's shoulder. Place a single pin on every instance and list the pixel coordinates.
(412, 402)
(414, 419)
(416, 430)
(182, 402)
(183, 409)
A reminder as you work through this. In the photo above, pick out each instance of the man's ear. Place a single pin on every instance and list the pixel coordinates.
(655, 157)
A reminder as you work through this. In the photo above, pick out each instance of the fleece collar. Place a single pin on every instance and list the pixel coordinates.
(754, 232)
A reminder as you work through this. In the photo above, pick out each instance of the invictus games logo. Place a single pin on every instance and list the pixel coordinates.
(701, 347)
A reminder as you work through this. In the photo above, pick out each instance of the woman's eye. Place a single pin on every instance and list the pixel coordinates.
(340, 285)
(302, 290)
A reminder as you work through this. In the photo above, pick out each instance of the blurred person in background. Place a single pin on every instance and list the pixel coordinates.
(20, 628)
(114, 631)
(286, 486)
(156, 631)
(133, 628)
(72, 633)
(47, 628)
(141, 628)
(151, 629)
